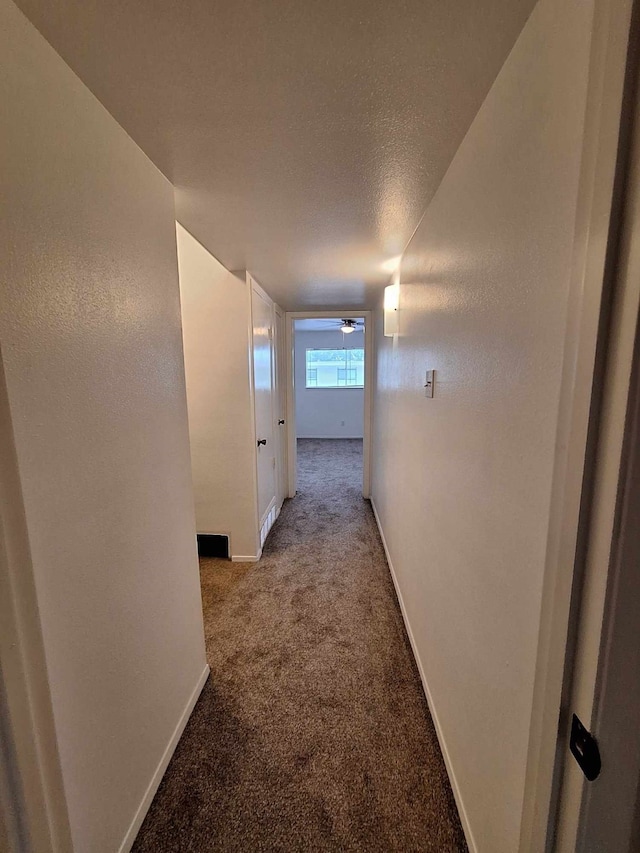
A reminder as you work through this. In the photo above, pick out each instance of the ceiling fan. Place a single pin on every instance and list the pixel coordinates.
(348, 326)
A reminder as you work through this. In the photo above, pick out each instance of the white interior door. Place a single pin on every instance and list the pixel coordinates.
(262, 320)
(280, 428)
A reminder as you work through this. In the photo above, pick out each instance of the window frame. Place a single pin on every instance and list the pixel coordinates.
(346, 368)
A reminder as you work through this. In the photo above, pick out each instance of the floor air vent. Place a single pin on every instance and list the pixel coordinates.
(213, 545)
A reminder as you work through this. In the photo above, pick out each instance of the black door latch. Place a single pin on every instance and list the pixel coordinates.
(584, 749)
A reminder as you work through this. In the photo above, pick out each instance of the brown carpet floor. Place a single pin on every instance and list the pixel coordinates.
(312, 733)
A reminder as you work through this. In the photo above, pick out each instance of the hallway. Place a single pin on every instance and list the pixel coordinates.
(312, 732)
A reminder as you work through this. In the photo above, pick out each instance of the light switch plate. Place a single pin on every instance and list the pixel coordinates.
(430, 381)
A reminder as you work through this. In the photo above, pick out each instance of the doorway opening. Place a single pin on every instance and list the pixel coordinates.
(329, 400)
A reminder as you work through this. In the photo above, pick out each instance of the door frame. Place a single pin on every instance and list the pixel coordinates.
(280, 386)
(345, 314)
(589, 303)
(605, 638)
(32, 795)
(618, 663)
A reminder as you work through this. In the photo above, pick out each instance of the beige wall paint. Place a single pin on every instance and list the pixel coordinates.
(92, 351)
(462, 482)
(215, 321)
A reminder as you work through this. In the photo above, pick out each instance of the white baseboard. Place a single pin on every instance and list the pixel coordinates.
(238, 558)
(464, 820)
(330, 436)
(269, 520)
(143, 808)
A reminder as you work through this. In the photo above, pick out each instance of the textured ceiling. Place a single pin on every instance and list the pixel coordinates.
(305, 138)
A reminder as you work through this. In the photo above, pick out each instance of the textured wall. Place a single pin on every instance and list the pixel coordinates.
(91, 343)
(321, 411)
(215, 324)
(462, 482)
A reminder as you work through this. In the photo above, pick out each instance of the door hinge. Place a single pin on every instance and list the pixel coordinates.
(584, 749)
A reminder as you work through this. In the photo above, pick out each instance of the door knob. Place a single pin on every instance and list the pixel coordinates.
(262, 441)
(281, 421)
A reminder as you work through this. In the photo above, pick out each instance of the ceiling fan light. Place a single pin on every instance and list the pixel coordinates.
(348, 326)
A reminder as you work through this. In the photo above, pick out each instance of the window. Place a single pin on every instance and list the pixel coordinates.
(335, 368)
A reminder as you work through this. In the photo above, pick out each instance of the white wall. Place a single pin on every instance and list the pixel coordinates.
(215, 322)
(461, 482)
(92, 351)
(320, 412)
